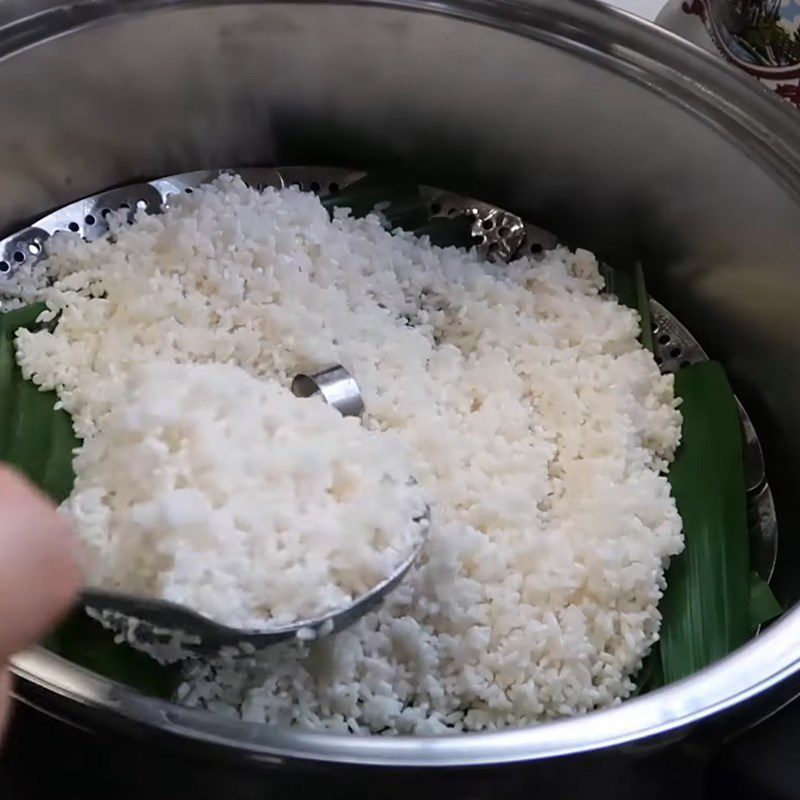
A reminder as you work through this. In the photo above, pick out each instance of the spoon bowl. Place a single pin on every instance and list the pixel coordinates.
(339, 389)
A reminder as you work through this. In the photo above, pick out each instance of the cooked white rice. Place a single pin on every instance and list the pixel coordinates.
(535, 421)
(228, 494)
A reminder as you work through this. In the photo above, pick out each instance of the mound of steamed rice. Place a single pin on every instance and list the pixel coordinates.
(535, 423)
(228, 494)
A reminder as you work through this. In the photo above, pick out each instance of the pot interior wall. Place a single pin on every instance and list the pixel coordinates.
(535, 113)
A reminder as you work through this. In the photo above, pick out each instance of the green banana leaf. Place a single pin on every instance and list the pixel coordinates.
(448, 231)
(38, 440)
(651, 675)
(397, 199)
(35, 438)
(628, 286)
(85, 642)
(706, 606)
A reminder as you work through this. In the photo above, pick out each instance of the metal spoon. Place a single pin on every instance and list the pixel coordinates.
(339, 389)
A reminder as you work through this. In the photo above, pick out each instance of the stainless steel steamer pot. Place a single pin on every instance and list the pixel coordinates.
(607, 131)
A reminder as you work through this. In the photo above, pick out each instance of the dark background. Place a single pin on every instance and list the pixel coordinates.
(45, 759)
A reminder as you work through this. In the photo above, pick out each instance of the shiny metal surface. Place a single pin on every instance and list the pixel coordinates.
(751, 36)
(88, 217)
(336, 386)
(612, 134)
(497, 234)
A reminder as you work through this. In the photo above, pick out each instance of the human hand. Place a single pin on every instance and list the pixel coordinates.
(39, 576)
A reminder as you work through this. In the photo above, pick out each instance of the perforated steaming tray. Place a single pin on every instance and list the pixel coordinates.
(497, 234)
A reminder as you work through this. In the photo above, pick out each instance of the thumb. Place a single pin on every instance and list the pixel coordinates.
(38, 568)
